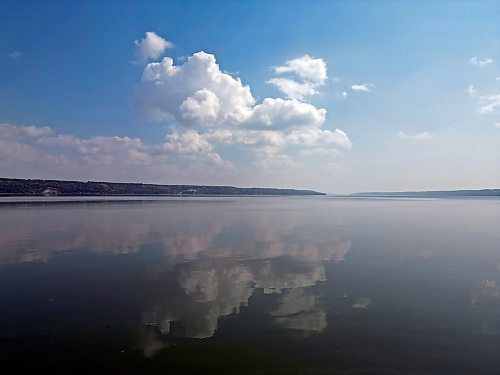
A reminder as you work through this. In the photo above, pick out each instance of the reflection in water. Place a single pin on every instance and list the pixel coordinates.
(362, 303)
(485, 298)
(101, 230)
(358, 283)
(299, 310)
(151, 342)
(202, 293)
(223, 278)
(214, 258)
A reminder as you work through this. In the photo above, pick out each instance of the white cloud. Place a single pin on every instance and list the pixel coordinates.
(192, 144)
(489, 104)
(472, 91)
(476, 61)
(199, 90)
(151, 47)
(497, 125)
(319, 137)
(14, 55)
(260, 138)
(306, 67)
(285, 114)
(293, 89)
(98, 149)
(39, 151)
(220, 109)
(423, 136)
(207, 113)
(307, 75)
(14, 132)
(165, 87)
(363, 87)
(341, 94)
(497, 78)
(202, 108)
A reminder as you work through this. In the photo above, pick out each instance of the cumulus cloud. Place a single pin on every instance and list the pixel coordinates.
(205, 111)
(196, 94)
(293, 89)
(151, 47)
(285, 114)
(248, 137)
(423, 136)
(202, 108)
(14, 55)
(319, 137)
(170, 92)
(15, 132)
(306, 67)
(307, 74)
(489, 104)
(477, 61)
(363, 87)
(39, 151)
(193, 145)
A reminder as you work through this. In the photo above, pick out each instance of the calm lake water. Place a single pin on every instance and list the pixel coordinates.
(251, 285)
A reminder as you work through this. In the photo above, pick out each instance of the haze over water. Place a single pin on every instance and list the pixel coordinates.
(251, 285)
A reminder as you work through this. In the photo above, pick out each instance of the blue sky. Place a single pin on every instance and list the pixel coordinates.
(423, 116)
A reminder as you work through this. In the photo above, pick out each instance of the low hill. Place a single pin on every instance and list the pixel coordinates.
(433, 194)
(22, 187)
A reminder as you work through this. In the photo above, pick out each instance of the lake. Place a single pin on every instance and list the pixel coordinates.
(246, 285)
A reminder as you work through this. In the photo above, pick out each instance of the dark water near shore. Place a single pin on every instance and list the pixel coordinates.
(251, 285)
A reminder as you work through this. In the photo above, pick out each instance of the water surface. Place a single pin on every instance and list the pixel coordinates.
(250, 285)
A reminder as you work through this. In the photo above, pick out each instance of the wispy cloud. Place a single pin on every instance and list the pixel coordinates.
(472, 91)
(362, 87)
(423, 136)
(14, 55)
(489, 104)
(477, 61)
(341, 94)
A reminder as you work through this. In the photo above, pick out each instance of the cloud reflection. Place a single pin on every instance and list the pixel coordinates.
(213, 258)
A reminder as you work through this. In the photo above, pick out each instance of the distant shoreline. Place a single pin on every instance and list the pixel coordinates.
(13, 187)
(432, 194)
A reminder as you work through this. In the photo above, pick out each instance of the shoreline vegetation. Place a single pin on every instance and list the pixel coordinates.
(14, 187)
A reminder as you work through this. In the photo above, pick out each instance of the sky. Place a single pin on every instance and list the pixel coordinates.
(336, 96)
